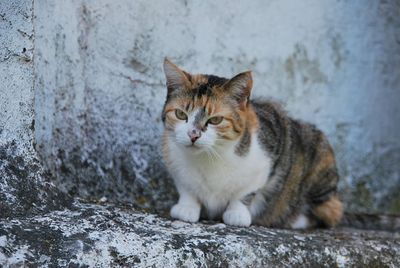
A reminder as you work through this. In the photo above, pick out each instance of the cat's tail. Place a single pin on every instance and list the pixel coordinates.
(371, 221)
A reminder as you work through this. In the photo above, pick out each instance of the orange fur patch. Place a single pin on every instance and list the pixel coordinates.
(330, 211)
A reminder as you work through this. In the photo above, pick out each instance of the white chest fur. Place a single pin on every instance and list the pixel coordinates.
(216, 179)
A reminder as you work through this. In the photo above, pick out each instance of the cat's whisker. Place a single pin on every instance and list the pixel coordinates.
(216, 155)
(209, 157)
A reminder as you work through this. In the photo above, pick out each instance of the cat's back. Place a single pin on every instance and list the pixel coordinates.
(273, 125)
(272, 114)
(285, 137)
(302, 156)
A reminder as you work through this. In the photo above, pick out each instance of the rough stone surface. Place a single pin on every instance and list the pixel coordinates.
(107, 236)
(99, 85)
(23, 188)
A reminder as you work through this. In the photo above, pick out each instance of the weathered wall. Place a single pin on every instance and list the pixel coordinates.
(23, 188)
(99, 85)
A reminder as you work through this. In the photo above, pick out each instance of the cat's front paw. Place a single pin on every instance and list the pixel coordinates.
(185, 213)
(237, 217)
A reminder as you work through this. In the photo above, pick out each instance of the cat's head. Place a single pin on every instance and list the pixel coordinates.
(204, 111)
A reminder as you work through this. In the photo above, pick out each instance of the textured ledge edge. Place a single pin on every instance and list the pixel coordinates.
(106, 235)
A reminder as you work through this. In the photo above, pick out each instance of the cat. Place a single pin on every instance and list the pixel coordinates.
(245, 161)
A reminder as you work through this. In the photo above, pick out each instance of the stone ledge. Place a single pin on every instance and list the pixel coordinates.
(104, 235)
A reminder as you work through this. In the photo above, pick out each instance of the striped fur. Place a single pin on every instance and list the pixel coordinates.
(256, 166)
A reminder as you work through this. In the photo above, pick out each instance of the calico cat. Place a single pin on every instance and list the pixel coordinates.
(244, 160)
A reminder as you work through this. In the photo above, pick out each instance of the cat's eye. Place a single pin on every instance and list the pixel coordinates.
(180, 114)
(215, 120)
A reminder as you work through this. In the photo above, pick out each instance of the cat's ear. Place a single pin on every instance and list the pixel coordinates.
(240, 87)
(177, 79)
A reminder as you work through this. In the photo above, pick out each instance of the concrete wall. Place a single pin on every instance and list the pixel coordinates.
(99, 86)
(23, 186)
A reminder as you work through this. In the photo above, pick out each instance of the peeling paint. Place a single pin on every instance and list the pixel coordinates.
(24, 186)
(299, 66)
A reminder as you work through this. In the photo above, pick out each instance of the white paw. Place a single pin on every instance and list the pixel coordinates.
(301, 222)
(185, 213)
(237, 217)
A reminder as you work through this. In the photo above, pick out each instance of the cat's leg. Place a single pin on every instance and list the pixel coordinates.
(329, 212)
(187, 209)
(325, 204)
(237, 214)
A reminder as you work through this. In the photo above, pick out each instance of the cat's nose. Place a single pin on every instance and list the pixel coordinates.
(194, 134)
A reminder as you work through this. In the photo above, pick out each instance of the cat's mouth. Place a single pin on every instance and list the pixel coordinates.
(192, 146)
(195, 148)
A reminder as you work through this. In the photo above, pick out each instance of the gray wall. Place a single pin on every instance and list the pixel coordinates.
(23, 186)
(99, 86)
